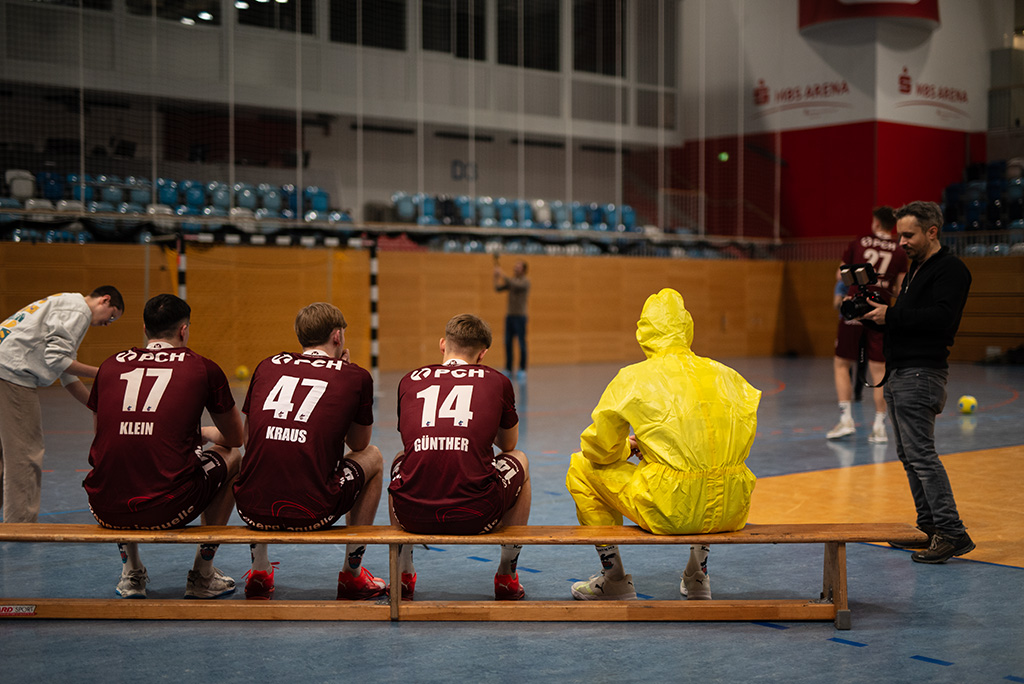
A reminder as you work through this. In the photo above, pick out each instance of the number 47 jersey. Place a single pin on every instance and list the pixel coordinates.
(299, 408)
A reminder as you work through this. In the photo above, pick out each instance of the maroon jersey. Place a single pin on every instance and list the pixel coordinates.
(148, 404)
(300, 407)
(886, 256)
(448, 417)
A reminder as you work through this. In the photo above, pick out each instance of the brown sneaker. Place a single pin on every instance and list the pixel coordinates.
(943, 548)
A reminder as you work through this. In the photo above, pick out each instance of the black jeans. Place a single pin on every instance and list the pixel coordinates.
(515, 326)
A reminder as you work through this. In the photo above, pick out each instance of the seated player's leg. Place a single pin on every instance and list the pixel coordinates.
(696, 583)
(405, 564)
(514, 469)
(220, 467)
(359, 481)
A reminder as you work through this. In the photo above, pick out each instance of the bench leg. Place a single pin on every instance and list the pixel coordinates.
(395, 579)
(833, 586)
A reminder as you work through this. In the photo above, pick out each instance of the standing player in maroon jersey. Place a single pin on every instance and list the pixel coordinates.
(890, 263)
(301, 411)
(149, 468)
(447, 479)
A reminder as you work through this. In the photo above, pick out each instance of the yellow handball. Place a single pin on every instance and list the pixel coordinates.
(242, 372)
(967, 404)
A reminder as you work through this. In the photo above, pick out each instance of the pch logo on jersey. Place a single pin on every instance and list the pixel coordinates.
(126, 356)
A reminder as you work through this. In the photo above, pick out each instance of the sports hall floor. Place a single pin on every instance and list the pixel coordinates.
(958, 622)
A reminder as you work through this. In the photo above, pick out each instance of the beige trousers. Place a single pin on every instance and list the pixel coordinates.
(21, 451)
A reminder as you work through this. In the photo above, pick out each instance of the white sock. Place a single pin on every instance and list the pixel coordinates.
(353, 558)
(879, 419)
(405, 565)
(698, 560)
(260, 557)
(845, 412)
(204, 559)
(130, 556)
(611, 562)
(509, 559)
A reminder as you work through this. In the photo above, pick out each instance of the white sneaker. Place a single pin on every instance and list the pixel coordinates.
(843, 428)
(600, 588)
(202, 587)
(878, 435)
(132, 584)
(696, 587)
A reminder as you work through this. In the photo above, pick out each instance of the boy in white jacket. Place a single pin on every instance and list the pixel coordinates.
(38, 344)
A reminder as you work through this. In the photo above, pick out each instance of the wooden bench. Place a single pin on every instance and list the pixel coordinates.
(831, 604)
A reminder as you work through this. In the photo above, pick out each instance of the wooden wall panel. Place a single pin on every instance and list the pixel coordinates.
(582, 309)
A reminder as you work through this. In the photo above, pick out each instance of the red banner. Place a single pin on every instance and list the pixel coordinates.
(815, 12)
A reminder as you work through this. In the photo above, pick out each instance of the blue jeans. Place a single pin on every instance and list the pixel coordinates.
(515, 326)
(915, 396)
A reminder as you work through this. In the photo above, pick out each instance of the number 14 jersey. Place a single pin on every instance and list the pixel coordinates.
(449, 416)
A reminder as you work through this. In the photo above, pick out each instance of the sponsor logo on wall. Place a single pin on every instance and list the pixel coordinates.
(946, 103)
(813, 100)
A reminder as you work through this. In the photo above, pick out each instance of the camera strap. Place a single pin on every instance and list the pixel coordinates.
(862, 366)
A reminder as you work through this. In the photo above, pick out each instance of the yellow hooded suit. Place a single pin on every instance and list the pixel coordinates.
(695, 421)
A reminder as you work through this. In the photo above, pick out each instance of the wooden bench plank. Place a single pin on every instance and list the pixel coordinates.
(418, 611)
(529, 534)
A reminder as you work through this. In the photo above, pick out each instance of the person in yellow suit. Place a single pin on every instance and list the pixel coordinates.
(693, 421)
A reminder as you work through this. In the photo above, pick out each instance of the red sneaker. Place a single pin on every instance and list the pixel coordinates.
(259, 585)
(408, 585)
(365, 586)
(508, 588)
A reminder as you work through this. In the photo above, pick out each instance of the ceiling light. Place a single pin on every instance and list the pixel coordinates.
(241, 4)
(188, 21)
(205, 16)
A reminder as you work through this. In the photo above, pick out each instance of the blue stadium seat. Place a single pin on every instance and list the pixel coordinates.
(245, 196)
(270, 197)
(506, 212)
(134, 214)
(629, 219)
(194, 193)
(81, 187)
(579, 216)
(51, 185)
(317, 198)
(219, 194)
(140, 190)
(167, 191)
(405, 207)
(486, 212)
(211, 212)
(975, 250)
(524, 213)
(427, 205)
(103, 224)
(560, 215)
(465, 209)
(8, 203)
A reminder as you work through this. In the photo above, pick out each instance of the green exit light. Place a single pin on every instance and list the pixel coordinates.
(723, 156)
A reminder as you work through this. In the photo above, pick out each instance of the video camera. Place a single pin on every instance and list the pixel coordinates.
(860, 275)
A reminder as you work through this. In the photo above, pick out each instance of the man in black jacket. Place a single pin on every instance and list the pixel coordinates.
(919, 329)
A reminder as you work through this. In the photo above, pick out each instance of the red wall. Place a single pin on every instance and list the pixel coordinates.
(831, 177)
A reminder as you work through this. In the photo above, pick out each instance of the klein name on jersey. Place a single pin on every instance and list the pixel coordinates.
(129, 427)
(283, 434)
(157, 356)
(441, 444)
(455, 372)
(314, 361)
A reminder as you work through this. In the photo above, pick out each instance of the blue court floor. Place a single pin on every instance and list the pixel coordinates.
(958, 622)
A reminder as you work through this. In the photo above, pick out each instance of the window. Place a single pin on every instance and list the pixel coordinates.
(442, 18)
(654, 18)
(190, 12)
(371, 23)
(279, 14)
(538, 21)
(598, 36)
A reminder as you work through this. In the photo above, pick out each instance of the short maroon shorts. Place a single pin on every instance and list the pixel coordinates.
(179, 511)
(848, 338)
(350, 478)
(469, 517)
